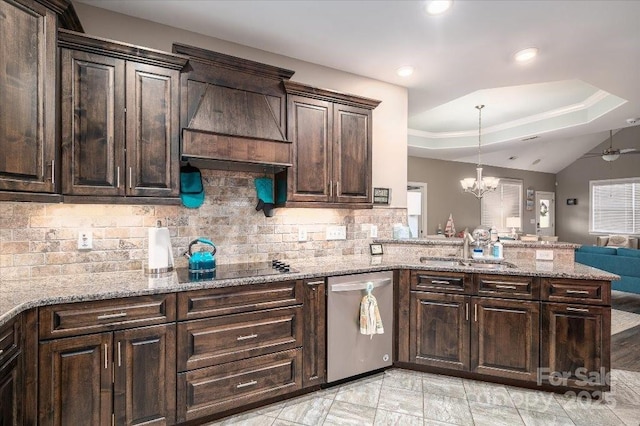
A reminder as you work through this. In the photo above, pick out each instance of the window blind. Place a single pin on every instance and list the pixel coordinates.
(504, 202)
(615, 206)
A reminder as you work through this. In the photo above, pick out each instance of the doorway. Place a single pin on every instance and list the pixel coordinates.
(417, 208)
(545, 213)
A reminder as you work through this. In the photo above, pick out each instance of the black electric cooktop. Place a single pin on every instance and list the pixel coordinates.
(236, 270)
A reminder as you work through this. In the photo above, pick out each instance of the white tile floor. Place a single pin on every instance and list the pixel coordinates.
(407, 398)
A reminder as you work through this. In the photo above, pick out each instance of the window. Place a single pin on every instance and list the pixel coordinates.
(615, 206)
(505, 202)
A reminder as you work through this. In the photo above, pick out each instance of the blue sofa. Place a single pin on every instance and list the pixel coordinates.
(620, 261)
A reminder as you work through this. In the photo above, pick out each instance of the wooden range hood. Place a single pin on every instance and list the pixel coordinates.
(233, 112)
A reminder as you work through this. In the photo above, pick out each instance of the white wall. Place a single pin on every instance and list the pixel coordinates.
(389, 118)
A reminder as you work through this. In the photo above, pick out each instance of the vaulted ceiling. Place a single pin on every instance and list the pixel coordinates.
(540, 115)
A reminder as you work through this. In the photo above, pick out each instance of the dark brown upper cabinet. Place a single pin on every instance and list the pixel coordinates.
(120, 120)
(331, 148)
(28, 162)
(233, 112)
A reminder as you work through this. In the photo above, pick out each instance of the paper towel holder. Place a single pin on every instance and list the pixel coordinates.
(159, 271)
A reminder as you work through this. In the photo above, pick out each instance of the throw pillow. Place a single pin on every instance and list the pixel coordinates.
(618, 241)
(628, 252)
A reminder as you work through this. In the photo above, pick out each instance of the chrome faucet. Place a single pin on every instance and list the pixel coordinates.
(466, 240)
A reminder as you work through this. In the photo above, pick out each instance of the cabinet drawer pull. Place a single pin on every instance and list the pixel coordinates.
(577, 292)
(112, 316)
(440, 282)
(577, 309)
(312, 283)
(508, 287)
(244, 385)
(247, 337)
(106, 357)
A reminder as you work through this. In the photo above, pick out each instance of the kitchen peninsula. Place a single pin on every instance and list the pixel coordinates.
(508, 325)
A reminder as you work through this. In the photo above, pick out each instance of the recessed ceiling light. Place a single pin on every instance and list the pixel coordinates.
(525, 55)
(405, 71)
(437, 7)
(513, 157)
(535, 162)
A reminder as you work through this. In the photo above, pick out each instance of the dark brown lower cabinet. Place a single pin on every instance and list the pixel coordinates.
(505, 338)
(576, 342)
(314, 364)
(211, 390)
(10, 393)
(439, 330)
(123, 378)
(496, 337)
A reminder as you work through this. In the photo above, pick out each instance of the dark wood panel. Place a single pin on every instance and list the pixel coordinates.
(28, 86)
(445, 282)
(310, 131)
(203, 145)
(145, 376)
(575, 341)
(223, 301)
(439, 331)
(92, 124)
(352, 150)
(10, 337)
(505, 338)
(211, 390)
(75, 381)
(30, 357)
(403, 321)
(73, 319)
(507, 286)
(576, 291)
(314, 352)
(152, 130)
(11, 392)
(206, 342)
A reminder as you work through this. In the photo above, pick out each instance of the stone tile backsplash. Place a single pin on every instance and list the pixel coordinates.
(39, 239)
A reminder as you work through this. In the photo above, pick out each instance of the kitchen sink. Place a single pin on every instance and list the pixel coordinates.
(488, 264)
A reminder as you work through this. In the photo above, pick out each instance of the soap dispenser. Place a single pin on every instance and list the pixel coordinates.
(498, 249)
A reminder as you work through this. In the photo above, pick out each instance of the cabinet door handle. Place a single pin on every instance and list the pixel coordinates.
(577, 292)
(118, 177)
(475, 312)
(112, 316)
(337, 188)
(106, 357)
(569, 308)
(467, 310)
(508, 287)
(314, 283)
(244, 385)
(247, 337)
(119, 355)
(53, 172)
(440, 282)
(330, 188)
(130, 178)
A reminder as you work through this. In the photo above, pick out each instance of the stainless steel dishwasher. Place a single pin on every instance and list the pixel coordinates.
(348, 352)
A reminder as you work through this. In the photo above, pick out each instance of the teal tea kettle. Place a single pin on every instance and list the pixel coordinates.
(202, 264)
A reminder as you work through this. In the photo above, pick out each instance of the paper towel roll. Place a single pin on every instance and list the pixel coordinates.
(160, 250)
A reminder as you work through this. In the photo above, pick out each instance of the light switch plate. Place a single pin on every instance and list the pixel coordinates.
(85, 240)
(544, 254)
(302, 234)
(336, 232)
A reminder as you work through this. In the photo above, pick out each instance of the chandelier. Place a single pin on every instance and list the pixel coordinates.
(480, 185)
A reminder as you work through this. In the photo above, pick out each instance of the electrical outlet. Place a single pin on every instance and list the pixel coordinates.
(544, 254)
(302, 234)
(336, 232)
(374, 231)
(85, 240)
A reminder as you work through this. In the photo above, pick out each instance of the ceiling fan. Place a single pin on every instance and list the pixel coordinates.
(611, 153)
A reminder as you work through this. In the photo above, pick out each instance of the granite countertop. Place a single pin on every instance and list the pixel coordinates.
(458, 242)
(19, 295)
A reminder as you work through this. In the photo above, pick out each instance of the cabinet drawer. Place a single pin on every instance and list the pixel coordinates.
(206, 342)
(576, 291)
(445, 282)
(215, 389)
(9, 340)
(73, 319)
(233, 300)
(506, 286)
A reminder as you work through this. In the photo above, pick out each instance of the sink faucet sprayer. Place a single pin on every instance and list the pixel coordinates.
(466, 240)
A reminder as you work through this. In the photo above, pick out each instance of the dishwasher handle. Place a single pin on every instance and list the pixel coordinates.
(359, 285)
